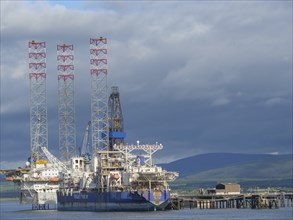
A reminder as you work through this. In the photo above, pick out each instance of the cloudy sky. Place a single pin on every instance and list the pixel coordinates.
(196, 76)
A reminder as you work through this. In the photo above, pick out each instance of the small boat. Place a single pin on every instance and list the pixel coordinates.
(9, 178)
(54, 179)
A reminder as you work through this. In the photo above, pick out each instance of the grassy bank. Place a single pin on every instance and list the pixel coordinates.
(9, 199)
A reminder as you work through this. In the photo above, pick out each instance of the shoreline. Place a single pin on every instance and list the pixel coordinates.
(9, 199)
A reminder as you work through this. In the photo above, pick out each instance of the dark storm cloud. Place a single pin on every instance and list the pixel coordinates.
(196, 76)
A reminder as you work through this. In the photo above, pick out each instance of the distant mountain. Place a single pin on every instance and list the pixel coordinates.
(230, 167)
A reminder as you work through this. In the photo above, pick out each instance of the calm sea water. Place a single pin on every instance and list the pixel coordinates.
(12, 210)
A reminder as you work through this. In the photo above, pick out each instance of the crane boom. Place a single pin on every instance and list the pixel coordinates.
(54, 161)
(85, 142)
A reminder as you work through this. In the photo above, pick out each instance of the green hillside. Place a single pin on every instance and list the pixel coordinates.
(264, 172)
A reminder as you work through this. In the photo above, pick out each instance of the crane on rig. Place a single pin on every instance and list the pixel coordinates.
(84, 150)
(54, 161)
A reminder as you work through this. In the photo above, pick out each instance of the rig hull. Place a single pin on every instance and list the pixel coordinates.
(113, 201)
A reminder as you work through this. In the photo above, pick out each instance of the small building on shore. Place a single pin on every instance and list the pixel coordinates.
(227, 189)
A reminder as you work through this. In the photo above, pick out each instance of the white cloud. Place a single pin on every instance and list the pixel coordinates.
(274, 153)
(190, 52)
(276, 101)
(221, 101)
(17, 71)
(6, 165)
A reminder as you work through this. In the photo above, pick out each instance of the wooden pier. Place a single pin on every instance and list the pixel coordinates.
(253, 201)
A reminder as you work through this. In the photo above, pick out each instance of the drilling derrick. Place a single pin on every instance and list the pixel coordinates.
(116, 124)
(38, 100)
(99, 105)
(66, 107)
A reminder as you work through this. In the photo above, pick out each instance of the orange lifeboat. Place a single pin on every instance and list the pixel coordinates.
(54, 179)
(9, 178)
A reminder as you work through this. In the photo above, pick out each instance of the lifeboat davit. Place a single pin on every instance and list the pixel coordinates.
(54, 179)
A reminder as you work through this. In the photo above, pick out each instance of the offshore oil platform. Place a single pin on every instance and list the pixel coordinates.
(109, 175)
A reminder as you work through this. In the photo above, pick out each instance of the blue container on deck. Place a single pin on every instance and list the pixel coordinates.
(117, 134)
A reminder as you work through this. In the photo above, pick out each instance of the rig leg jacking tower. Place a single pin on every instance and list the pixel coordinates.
(66, 106)
(99, 97)
(38, 100)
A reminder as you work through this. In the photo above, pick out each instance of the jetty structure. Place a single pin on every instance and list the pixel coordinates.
(105, 174)
(232, 201)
